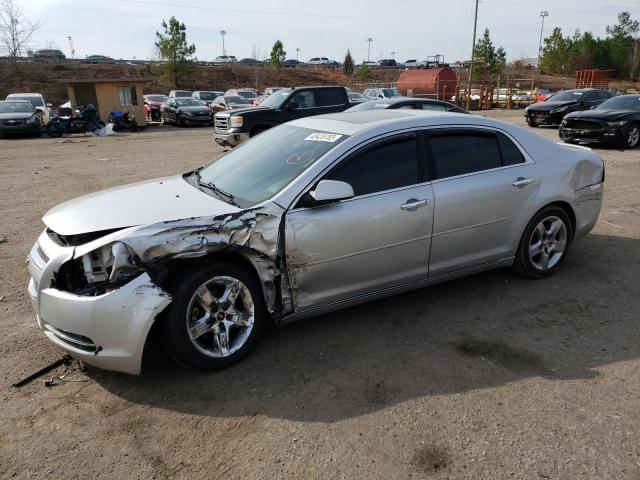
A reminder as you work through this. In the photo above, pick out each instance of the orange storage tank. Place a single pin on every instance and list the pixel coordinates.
(439, 83)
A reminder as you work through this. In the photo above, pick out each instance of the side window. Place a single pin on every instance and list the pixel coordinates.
(391, 165)
(464, 152)
(326, 97)
(589, 97)
(434, 107)
(304, 99)
(511, 155)
(602, 95)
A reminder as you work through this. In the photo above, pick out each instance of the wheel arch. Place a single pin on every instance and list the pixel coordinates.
(259, 128)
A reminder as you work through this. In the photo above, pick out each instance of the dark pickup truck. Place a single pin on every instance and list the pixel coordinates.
(233, 127)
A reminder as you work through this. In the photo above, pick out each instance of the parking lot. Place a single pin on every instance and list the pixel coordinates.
(490, 376)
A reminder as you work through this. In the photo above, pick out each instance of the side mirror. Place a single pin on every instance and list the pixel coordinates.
(293, 106)
(593, 106)
(49, 105)
(331, 191)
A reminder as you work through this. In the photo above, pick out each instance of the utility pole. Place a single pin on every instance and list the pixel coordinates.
(222, 34)
(297, 52)
(369, 39)
(473, 52)
(543, 14)
(393, 55)
(73, 52)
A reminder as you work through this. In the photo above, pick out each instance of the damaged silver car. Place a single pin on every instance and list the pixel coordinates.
(307, 217)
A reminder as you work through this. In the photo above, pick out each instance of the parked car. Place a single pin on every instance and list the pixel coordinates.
(543, 94)
(615, 121)
(233, 128)
(553, 110)
(334, 63)
(292, 62)
(38, 101)
(186, 111)
(407, 103)
(355, 213)
(355, 97)
(180, 93)
(206, 96)
(99, 59)
(259, 100)
(413, 63)
(249, 93)
(229, 102)
(19, 117)
(388, 62)
(250, 61)
(271, 90)
(153, 107)
(318, 61)
(225, 59)
(49, 53)
(371, 64)
(381, 92)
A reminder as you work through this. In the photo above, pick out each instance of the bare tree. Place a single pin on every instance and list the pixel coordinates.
(16, 30)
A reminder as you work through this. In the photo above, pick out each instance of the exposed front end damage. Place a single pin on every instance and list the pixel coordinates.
(98, 300)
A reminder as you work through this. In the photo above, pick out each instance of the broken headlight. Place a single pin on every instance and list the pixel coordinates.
(100, 271)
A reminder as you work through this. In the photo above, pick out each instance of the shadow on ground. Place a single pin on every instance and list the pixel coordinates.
(479, 332)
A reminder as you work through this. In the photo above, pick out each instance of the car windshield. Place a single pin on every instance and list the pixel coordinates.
(236, 100)
(247, 94)
(372, 105)
(182, 94)
(207, 96)
(277, 99)
(189, 102)
(390, 92)
(37, 101)
(157, 98)
(16, 107)
(623, 102)
(264, 165)
(568, 96)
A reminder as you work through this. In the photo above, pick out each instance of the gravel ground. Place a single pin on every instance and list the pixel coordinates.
(490, 376)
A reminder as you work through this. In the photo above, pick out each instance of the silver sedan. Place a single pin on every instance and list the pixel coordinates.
(308, 217)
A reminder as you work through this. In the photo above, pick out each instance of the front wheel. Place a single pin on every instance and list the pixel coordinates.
(216, 317)
(633, 137)
(544, 243)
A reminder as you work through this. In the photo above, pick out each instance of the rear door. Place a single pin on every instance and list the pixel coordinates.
(484, 186)
(330, 100)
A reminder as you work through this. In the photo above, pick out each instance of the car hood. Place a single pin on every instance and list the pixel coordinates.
(143, 203)
(252, 109)
(194, 110)
(548, 105)
(16, 115)
(603, 114)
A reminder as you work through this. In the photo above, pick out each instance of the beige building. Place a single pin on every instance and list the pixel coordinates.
(109, 94)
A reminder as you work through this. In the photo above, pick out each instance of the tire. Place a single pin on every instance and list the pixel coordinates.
(541, 252)
(187, 317)
(133, 126)
(633, 136)
(532, 124)
(53, 133)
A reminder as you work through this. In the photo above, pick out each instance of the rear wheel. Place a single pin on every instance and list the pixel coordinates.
(633, 137)
(216, 317)
(544, 243)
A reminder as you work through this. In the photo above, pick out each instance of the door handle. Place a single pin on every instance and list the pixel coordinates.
(522, 182)
(413, 204)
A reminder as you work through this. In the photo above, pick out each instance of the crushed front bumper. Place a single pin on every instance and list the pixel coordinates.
(592, 132)
(230, 139)
(543, 118)
(108, 331)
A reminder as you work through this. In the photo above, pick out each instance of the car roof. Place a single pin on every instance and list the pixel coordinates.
(15, 101)
(24, 95)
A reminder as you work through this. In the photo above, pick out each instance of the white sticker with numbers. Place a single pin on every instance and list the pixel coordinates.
(324, 137)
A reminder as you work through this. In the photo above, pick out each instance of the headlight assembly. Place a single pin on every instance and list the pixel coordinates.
(559, 109)
(620, 123)
(236, 121)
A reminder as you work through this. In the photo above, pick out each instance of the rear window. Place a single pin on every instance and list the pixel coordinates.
(328, 97)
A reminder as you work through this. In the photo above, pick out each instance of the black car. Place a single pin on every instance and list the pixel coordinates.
(388, 62)
(616, 121)
(49, 53)
(292, 62)
(186, 111)
(251, 61)
(19, 117)
(554, 108)
(410, 103)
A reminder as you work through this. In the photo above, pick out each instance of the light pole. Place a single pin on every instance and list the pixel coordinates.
(222, 34)
(73, 52)
(543, 14)
(473, 54)
(297, 52)
(369, 39)
(393, 55)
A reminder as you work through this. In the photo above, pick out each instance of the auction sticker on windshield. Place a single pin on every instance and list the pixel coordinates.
(323, 137)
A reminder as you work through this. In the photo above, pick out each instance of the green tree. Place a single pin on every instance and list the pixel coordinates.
(278, 54)
(494, 58)
(555, 56)
(623, 47)
(363, 72)
(175, 52)
(625, 26)
(347, 65)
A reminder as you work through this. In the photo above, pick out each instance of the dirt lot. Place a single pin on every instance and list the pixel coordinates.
(491, 376)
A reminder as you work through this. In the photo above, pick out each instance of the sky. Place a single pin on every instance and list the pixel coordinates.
(413, 29)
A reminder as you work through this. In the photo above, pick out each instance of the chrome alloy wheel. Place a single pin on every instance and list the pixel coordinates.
(634, 136)
(220, 316)
(548, 243)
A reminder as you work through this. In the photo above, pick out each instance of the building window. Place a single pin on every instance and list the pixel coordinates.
(128, 96)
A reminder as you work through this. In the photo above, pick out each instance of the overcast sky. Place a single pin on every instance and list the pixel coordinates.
(411, 28)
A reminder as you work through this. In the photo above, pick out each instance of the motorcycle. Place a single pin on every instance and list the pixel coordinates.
(122, 121)
(86, 121)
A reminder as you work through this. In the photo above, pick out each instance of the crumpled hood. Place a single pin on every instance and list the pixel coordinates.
(16, 115)
(548, 105)
(602, 114)
(143, 203)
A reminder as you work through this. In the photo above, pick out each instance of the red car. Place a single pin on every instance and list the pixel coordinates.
(249, 93)
(229, 102)
(153, 107)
